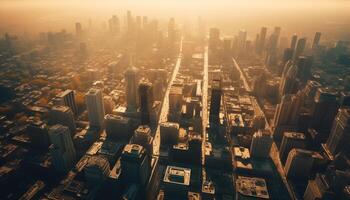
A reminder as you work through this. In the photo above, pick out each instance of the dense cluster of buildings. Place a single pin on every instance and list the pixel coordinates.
(303, 113)
(149, 115)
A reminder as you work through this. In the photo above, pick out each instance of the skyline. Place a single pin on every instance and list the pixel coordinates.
(174, 100)
(36, 16)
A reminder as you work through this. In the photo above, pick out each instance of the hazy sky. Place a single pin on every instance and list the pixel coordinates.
(230, 15)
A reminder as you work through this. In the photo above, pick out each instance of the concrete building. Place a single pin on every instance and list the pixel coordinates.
(64, 116)
(62, 148)
(290, 141)
(261, 144)
(94, 104)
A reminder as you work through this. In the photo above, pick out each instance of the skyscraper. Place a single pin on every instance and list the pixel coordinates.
(324, 110)
(135, 165)
(287, 56)
(261, 144)
(242, 38)
(304, 64)
(142, 136)
(345, 98)
(94, 104)
(146, 101)
(130, 23)
(68, 99)
(299, 164)
(299, 48)
(131, 87)
(287, 114)
(64, 116)
(38, 134)
(214, 38)
(62, 148)
(289, 82)
(293, 42)
(118, 128)
(78, 29)
(273, 40)
(290, 141)
(96, 170)
(169, 133)
(316, 40)
(215, 101)
(339, 137)
(114, 24)
(262, 38)
(171, 31)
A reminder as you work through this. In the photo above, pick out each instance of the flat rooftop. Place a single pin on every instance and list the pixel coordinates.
(253, 187)
(177, 175)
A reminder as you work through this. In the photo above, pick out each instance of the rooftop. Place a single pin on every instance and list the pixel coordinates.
(253, 187)
(294, 135)
(134, 150)
(177, 175)
(64, 93)
(61, 108)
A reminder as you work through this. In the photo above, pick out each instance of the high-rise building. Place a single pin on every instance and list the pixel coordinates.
(135, 165)
(96, 170)
(242, 38)
(289, 82)
(94, 104)
(114, 24)
(62, 115)
(175, 99)
(299, 49)
(146, 101)
(62, 148)
(142, 136)
(271, 59)
(345, 99)
(195, 148)
(287, 114)
(169, 133)
(171, 31)
(118, 128)
(108, 104)
(339, 137)
(177, 181)
(291, 140)
(310, 92)
(319, 188)
(38, 134)
(274, 39)
(78, 29)
(215, 101)
(316, 40)
(287, 55)
(131, 87)
(293, 42)
(304, 64)
(130, 23)
(299, 164)
(324, 110)
(261, 144)
(262, 39)
(68, 99)
(214, 38)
